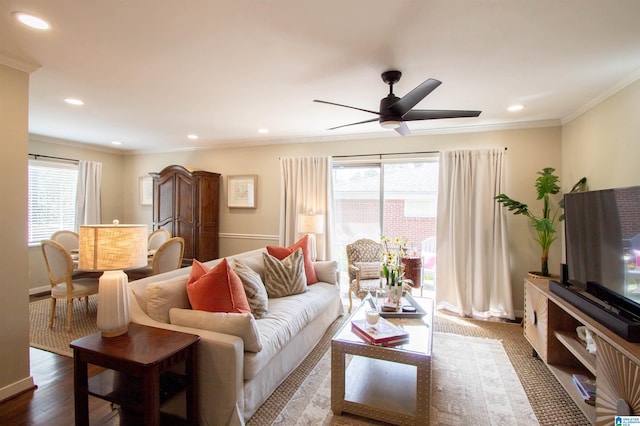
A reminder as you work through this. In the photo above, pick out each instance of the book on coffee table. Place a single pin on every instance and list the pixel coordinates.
(384, 333)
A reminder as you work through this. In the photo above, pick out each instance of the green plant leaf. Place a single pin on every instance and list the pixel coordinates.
(547, 183)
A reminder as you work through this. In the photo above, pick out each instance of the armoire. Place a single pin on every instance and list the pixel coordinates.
(186, 203)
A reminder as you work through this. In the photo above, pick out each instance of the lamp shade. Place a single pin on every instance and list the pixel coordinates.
(311, 223)
(112, 247)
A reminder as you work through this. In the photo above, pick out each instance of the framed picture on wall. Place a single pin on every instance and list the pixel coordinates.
(241, 191)
(146, 191)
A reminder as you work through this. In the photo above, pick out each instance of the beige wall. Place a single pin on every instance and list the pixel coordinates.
(529, 150)
(14, 311)
(604, 142)
(112, 189)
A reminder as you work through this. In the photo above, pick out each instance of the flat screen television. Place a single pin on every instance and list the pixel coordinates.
(602, 237)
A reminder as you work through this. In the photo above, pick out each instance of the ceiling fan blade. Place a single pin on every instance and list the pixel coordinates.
(432, 114)
(346, 106)
(353, 124)
(412, 98)
(403, 129)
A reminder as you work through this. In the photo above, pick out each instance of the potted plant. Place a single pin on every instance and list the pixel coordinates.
(544, 224)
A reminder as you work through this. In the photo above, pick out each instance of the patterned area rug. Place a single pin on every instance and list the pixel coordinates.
(551, 404)
(57, 339)
(473, 384)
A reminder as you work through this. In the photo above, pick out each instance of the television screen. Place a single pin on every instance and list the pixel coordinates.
(602, 230)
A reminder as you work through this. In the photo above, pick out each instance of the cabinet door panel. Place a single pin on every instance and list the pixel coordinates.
(185, 200)
(536, 320)
(163, 195)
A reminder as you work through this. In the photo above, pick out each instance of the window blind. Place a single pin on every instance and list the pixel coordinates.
(52, 198)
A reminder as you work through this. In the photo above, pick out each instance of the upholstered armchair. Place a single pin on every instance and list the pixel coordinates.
(364, 258)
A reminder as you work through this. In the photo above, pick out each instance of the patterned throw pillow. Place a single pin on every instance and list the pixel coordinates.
(284, 277)
(218, 289)
(368, 270)
(303, 243)
(253, 288)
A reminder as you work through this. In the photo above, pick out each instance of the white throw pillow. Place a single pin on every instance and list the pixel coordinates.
(164, 295)
(368, 270)
(235, 324)
(326, 271)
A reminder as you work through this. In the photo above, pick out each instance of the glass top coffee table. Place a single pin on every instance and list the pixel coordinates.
(391, 384)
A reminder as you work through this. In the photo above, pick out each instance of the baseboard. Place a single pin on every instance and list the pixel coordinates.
(39, 290)
(17, 388)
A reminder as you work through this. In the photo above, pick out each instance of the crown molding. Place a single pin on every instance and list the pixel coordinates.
(19, 65)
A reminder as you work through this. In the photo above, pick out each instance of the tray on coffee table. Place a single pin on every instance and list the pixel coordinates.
(407, 300)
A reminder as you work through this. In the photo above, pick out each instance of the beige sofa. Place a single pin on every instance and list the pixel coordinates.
(241, 360)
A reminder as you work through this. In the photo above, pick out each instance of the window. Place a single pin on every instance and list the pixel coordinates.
(52, 198)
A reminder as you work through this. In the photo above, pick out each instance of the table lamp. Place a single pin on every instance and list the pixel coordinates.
(112, 248)
(311, 224)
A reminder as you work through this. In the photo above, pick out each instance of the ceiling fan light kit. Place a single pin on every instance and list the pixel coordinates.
(394, 111)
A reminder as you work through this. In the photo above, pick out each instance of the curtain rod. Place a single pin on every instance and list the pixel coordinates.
(36, 156)
(390, 153)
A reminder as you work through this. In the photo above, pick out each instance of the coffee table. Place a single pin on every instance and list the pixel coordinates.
(391, 384)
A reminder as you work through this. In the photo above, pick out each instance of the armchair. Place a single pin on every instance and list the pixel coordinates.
(364, 258)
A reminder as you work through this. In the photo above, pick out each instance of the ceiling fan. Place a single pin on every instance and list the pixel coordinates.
(394, 111)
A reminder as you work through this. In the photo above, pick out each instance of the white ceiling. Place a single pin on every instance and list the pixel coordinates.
(152, 71)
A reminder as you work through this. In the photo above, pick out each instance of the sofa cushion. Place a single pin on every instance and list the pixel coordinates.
(303, 243)
(164, 295)
(368, 270)
(253, 288)
(287, 316)
(218, 289)
(284, 277)
(241, 325)
(326, 271)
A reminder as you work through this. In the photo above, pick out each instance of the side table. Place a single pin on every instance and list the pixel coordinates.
(137, 375)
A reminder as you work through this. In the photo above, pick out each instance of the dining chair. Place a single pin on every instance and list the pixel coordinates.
(68, 239)
(167, 257)
(63, 286)
(157, 238)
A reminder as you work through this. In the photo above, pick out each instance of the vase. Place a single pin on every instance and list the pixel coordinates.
(395, 294)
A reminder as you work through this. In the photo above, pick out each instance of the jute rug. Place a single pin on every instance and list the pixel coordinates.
(57, 339)
(550, 403)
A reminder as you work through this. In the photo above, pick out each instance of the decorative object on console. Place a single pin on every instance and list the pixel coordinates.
(112, 248)
(393, 268)
(241, 191)
(385, 333)
(545, 225)
(312, 225)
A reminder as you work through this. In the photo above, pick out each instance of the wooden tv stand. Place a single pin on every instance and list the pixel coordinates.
(550, 326)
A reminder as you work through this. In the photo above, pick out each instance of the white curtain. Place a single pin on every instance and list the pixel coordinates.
(305, 186)
(88, 204)
(471, 236)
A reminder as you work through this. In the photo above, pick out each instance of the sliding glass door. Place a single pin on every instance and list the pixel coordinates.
(391, 198)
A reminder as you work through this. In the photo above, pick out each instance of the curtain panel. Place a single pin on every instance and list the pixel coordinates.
(471, 236)
(88, 195)
(305, 187)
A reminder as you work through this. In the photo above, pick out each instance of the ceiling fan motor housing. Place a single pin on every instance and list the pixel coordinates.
(386, 113)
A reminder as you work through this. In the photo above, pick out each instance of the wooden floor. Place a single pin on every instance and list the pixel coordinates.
(51, 403)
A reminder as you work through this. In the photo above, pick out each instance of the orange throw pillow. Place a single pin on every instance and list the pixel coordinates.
(281, 253)
(218, 289)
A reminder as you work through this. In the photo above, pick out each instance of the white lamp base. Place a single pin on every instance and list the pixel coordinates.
(113, 304)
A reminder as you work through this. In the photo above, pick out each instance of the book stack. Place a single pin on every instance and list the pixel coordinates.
(384, 333)
(586, 387)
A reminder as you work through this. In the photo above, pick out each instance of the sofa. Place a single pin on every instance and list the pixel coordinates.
(241, 359)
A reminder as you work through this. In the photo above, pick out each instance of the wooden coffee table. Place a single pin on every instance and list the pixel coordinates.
(391, 384)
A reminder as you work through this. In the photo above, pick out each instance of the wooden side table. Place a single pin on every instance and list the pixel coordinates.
(137, 376)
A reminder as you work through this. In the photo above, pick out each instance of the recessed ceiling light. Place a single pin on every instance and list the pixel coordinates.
(73, 101)
(192, 136)
(263, 130)
(515, 108)
(116, 143)
(32, 21)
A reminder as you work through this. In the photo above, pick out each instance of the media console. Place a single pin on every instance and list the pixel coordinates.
(550, 324)
(608, 308)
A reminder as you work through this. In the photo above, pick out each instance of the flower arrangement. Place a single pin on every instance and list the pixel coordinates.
(392, 268)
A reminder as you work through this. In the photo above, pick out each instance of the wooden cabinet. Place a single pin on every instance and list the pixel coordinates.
(186, 203)
(550, 326)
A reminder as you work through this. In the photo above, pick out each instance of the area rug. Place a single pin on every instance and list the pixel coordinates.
(57, 339)
(550, 402)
